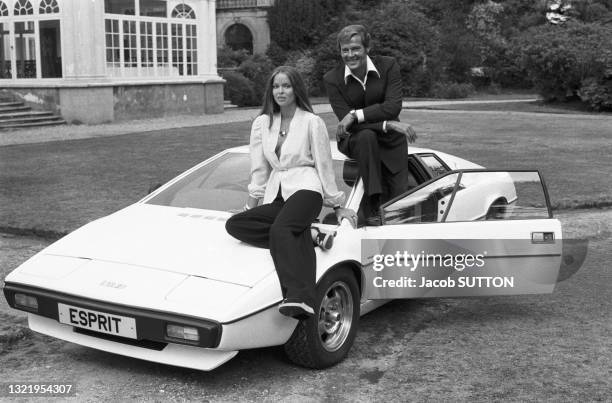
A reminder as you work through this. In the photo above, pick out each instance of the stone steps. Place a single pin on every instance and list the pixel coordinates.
(15, 115)
(8, 104)
(30, 119)
(16, 108)
(22, 113)
(228, 105)
(35, 124)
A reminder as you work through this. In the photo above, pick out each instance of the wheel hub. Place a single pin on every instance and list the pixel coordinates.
(335, 316)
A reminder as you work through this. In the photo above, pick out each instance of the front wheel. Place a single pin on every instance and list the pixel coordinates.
(325, 338)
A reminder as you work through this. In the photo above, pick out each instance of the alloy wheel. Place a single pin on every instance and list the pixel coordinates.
(335, 316)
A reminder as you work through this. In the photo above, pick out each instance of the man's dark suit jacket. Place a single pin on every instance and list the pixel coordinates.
(382, 100)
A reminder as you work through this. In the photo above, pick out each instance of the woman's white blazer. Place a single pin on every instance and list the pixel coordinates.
(305, 159)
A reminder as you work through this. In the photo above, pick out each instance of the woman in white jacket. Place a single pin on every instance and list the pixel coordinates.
(291, 169)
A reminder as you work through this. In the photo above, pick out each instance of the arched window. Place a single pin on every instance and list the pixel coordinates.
(23, 7)
(33, 49)
(238, 36)
(48, 7)
(160, 47)
(183, 11)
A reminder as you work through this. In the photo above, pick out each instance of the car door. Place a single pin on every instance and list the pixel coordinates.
(465, 233)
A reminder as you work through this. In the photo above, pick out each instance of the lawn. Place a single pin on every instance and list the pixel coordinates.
(535, 107)
(571, 151)
(56, 187)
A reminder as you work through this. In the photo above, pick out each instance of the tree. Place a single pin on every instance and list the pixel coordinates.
(484, 22)
(569, 60)
(590, 10)
(496, 56)
(458, 50)
(520, 15)
(403, 32)
(257, 69)
(302, 24)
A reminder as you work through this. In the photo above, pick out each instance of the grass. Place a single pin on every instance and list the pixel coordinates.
(479, 95)
(58, 186)
(572, 152)
(562, 108)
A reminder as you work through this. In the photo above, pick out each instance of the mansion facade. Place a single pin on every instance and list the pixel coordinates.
(97, 61)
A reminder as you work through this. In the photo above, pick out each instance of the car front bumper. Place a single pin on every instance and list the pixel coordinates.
(150, 325)
(202, 359)
(219, 342)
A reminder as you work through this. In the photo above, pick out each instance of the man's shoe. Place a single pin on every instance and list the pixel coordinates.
(324, 240)
(373, 221)
(295, 308)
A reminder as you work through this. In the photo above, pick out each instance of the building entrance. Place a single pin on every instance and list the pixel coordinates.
(50, 49)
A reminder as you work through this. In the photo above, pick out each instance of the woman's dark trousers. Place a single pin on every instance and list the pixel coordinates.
(284, 228)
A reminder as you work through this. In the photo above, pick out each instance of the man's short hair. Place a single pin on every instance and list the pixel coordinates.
(349, 31)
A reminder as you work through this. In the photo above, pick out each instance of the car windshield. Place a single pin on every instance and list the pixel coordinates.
(222, 185)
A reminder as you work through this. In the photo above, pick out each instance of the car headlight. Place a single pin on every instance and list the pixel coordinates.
(182, 332)
(25, 301)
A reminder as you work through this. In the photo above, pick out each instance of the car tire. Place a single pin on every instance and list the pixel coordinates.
(325, 338)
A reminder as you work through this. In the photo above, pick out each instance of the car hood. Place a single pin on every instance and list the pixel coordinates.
(180, 240)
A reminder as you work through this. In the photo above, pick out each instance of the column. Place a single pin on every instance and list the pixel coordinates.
(83, 39)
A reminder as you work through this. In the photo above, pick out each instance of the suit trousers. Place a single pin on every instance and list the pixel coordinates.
(284, 228)
(380, 184)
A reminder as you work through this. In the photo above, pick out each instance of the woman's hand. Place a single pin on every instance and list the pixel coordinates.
(350, 215)
(250, 203)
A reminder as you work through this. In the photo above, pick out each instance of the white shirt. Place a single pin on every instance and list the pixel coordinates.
(305, 159)
(369, 67)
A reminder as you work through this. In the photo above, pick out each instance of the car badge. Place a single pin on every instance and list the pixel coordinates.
(112, 284)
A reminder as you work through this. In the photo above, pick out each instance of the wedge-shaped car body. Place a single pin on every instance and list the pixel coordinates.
(161, 280)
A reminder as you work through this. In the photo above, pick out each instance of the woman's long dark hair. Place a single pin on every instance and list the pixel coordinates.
(270, 107)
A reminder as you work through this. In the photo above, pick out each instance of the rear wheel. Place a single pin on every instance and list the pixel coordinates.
(326, 338)
(497, 210)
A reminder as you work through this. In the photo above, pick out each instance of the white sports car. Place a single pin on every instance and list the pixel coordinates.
(161, 280)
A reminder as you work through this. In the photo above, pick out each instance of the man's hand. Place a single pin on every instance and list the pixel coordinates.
(403, 128)
(344, 125)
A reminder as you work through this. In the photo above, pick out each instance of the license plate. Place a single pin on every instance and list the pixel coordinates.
(97, 321)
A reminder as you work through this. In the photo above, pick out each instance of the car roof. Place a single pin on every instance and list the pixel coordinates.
(337, 155)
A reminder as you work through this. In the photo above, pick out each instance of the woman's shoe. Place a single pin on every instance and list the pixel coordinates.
(324, 240)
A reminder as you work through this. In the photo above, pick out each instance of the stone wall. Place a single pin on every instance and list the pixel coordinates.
(96, 104)
(39, 99)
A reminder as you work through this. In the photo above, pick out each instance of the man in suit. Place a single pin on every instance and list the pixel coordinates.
(366, 96)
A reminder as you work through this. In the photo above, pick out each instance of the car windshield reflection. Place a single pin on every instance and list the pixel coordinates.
(222, 185)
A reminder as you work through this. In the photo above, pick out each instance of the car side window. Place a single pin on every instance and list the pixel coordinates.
(435, 166)
(427, 204)
(417, 173)
(472, 196)
(499, 195)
